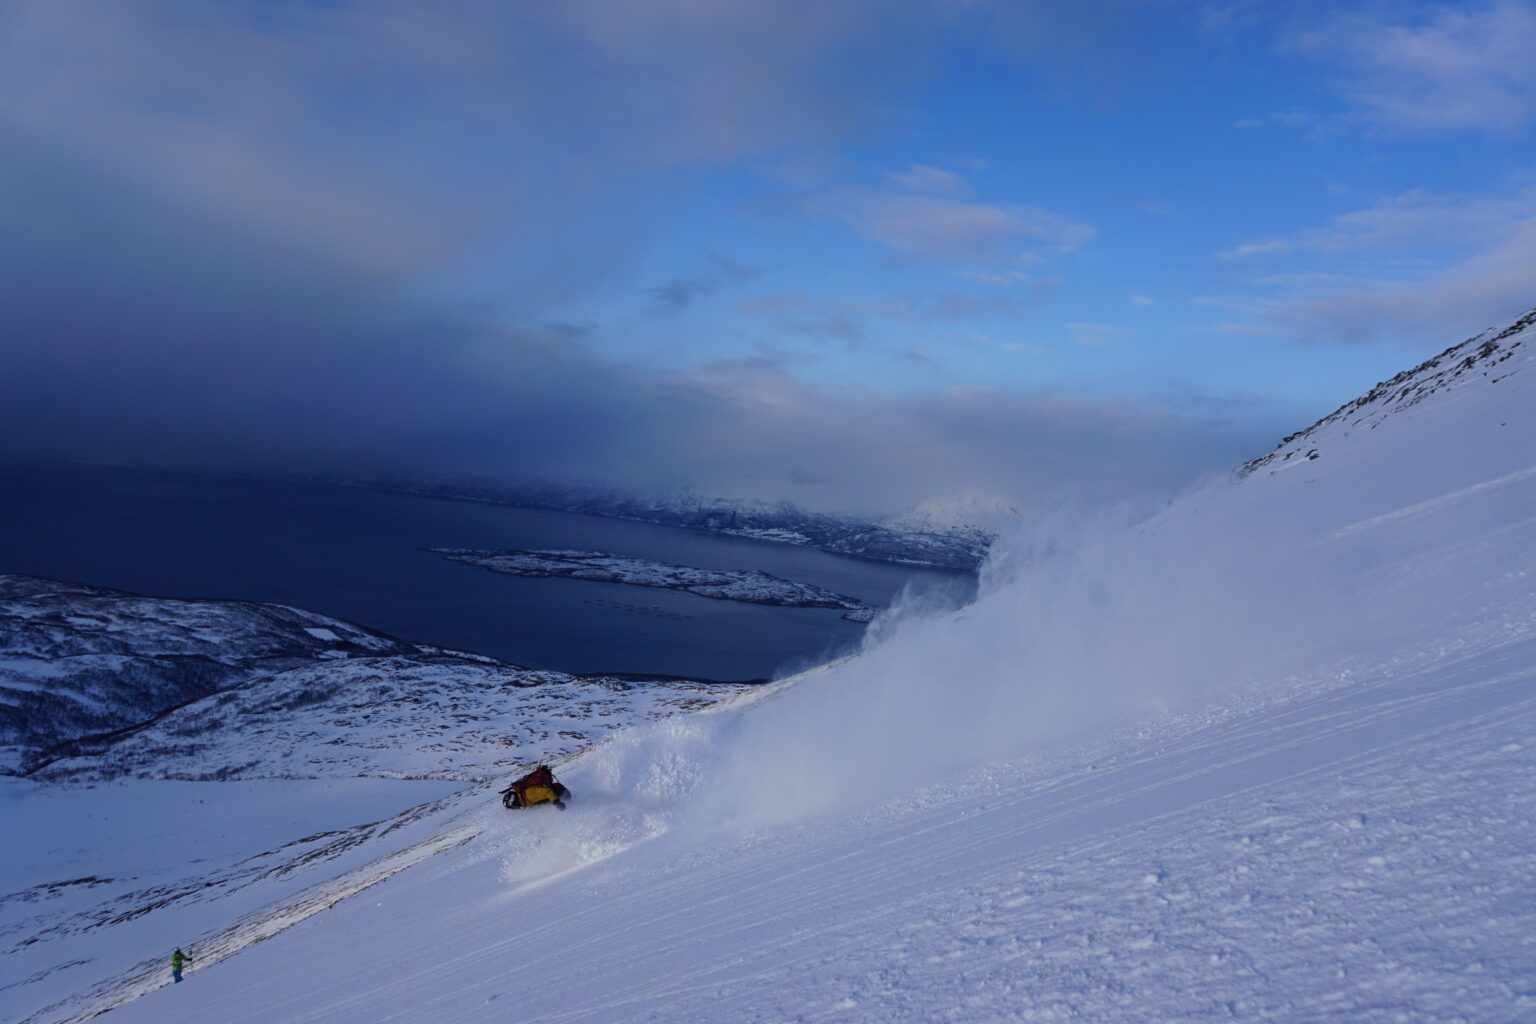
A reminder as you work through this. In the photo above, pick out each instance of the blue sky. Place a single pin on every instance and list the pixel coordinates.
(854, 255)
(1154, 219)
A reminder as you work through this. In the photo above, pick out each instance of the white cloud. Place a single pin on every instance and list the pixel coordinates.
(218, 206)
(1411, 268)
(948, 227)
(1413, 219)
(1239, 329)
(922, 178)
(997, 278)
(1099, 335)
(389, 136)
(1143, 300)
(851, 321)
(1464, 67)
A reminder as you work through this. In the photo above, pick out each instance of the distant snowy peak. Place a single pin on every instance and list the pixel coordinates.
(1492, 357)
(972, 514)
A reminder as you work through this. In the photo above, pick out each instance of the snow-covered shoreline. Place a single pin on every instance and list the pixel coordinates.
(752, 586)
(952, 534)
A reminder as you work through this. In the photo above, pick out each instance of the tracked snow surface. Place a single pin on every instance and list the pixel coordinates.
(1265, 755)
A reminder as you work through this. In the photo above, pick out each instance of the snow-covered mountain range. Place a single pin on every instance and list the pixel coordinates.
(1266, 755)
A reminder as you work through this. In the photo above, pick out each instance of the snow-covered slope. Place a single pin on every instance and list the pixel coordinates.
(1266, 756)
(99, 878)
(416, 717)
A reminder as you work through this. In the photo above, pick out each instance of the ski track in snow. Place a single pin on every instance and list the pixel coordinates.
(149, 975)
(1424, 508)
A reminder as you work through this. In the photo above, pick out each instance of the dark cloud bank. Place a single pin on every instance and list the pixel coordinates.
(201, 269)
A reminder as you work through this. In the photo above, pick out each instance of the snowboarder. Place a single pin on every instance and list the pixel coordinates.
(537, 787)
(178, 961)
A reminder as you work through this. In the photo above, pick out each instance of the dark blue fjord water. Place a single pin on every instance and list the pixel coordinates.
(357, 554)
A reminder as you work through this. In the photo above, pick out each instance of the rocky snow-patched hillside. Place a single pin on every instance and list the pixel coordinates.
(76, 659)
(97, 683)
(1484, 359)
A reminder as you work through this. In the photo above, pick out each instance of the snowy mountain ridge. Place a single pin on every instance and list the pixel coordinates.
(1490, 357)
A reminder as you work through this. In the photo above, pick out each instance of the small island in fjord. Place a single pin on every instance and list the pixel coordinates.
(750, 585)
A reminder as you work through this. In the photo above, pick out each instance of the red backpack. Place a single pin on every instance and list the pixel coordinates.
(540, 776)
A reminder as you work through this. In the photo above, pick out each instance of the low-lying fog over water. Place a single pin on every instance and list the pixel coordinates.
(358, 555)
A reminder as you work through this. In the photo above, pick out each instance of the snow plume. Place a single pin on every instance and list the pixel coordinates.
(631, 789)
(1087, 622)
(1356, 550)
(1083, 620)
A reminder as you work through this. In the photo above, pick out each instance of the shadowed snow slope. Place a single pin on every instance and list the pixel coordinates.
(1264, 755)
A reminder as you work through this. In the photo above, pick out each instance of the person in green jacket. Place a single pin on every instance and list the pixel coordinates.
(178, 960)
